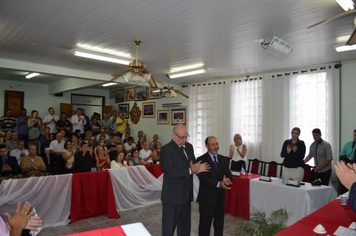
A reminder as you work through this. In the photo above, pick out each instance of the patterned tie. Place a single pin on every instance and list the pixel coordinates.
(216, 165)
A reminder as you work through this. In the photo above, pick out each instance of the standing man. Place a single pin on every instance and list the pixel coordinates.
(64, 124)
(8, 122)
(50, 121)
(121, 124)
(22, 127)
(87, 120)
(78, 122)
(105, 123)
(213, 185)
(113, 120)
(321, 151)
(178, 165)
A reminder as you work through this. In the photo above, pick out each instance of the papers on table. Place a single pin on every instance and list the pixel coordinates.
(343, 231)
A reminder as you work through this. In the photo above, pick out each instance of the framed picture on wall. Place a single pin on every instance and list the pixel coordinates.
(129, 94)
(125, 109)
(140, 93)
(153, 93)
(14, 100)
(163, 117)
(148, 109)
(119, 96)
(178, 116)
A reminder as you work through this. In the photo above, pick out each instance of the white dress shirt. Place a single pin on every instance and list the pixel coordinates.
(57, 147)
(52, 125)
(144, 154)
(78, 125)
(17, 153)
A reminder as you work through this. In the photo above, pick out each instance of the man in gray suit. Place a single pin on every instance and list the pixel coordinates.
(178, 164)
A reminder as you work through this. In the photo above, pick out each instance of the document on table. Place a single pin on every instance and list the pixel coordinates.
(343, 231)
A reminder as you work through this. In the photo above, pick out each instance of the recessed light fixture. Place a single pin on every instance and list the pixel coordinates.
(177, 69)
(99, 56)
(346, 4)
(345, 48)
(108, 84)
(30, 75)
(194, 72)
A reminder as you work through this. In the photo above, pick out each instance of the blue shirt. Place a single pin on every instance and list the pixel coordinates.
(22, 126)
(4, 160)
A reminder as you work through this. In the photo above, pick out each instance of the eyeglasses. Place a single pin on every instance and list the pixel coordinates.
(182, 137)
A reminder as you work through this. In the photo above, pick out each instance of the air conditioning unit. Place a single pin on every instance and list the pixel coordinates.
(174, 102)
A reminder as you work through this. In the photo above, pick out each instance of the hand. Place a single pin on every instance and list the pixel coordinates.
(6, 167)
(294, 148)
(199, 167)
(16, 146)
(289, 149)
(26, 117)
(35, 167)
(53, 119)
(22, 154)
(226, 181)
(346, 174)
(51, 136)
(20, 218)
(34, 222)
(223, 186)
(317, 168)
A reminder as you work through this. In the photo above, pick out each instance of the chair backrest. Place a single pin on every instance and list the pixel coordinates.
(236, 165)
(254, 165)
(307, 174)
(272, 170)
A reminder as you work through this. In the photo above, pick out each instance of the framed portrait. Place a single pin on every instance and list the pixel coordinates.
(129, 94)
(153, 93)
(178, 116)
(119, 96)
(140, 93)
(125, 109)
(14, 100)
(148, 109)
(163, 117)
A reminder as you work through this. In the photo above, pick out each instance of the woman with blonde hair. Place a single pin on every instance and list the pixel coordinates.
(237, 154)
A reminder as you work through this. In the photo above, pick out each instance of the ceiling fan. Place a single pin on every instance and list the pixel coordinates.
(352, 39)
(169, 91)
(137, 72)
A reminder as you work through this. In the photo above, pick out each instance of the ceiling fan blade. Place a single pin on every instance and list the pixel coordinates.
(155, 76)
(182, 94)
(352, 39)
(119, 73)
(152, 83)
(174, 93)
(335, 17)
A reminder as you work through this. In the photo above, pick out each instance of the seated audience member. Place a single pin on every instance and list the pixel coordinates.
(68, 155)
(89, 136)
(22, 126)
(146, 154)
(106, 123)
(75, 143)
(85, 158)
(20, 221)
(349, 149)
(32, 164)
(56, 147)
(126, 137)
(157, 153)
(9, 164)
(113, 121)
(139, 135)
(7, 136)
(129, 145)
(112, 145)
(102, 159)
(19, 152)
(101, 143)
(128, 131)
(95, 127)
(7, 122)
(12, 143)
(117, 149)
(135, 160)
(102, 135)
(34, 124)
(50, 120)
(119, 161)
(347, 176)
(45, 141)
(64, 138)
(153, 143)
(64, 125)
(78, 135)
(140, 144)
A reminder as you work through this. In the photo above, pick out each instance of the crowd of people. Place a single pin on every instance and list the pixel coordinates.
(73, 143)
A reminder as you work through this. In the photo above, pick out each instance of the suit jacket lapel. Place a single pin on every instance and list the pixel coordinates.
(177, 150)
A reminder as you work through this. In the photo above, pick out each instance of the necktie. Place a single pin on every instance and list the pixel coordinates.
(216, 165)
(182, 149)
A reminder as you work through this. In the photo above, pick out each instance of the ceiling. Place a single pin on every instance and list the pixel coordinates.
(40, 35)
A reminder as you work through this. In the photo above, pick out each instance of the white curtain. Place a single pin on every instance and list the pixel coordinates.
(135, 187)
(50, 196)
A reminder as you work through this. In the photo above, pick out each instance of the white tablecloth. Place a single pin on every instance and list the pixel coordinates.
(299, 202)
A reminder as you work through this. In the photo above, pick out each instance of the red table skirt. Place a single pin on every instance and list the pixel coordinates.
(331, 216)
(92, 195)
(238, 198)
(155, 169)
(117, 231)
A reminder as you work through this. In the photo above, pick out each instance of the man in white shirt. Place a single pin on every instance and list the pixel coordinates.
(78, 122)
(113, 121)
(56, 147)
(50, 121)
(146, 154)
(19, 152)
(129, 145)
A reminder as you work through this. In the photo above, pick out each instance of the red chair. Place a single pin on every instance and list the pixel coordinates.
(272, 169)
(254, 165)
(307, 174)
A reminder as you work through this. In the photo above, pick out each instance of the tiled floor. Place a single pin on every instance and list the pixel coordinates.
(150, 216)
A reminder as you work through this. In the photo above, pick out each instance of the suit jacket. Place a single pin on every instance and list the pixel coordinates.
(12, 162)
(352, 197)
(209, 194)
(177, 182)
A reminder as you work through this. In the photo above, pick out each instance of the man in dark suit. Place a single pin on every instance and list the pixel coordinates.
(213, 185)
(178, 165)
(8, 163)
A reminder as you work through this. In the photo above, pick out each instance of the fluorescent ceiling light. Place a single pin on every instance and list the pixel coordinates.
(29, 76)
(194, 72)
(343, 39)
(346, 4)
(177, 69)
(108, 84)
(345, 48)
(97, 56)
(103, 50)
